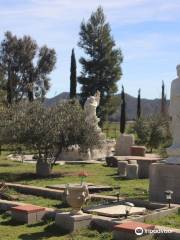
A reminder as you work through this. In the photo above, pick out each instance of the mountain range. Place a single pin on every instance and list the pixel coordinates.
(148, 106)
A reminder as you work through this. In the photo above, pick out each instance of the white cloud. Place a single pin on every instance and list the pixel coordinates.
(129, 11)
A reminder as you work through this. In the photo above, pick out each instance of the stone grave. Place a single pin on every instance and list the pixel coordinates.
(115, 210)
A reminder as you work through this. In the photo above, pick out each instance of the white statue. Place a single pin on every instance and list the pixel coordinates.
(174, 110)
(90, 107)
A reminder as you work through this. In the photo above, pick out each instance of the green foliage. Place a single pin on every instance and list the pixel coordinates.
(101, 68)
(47, 130)
(152, 132)
(73, 78)
(25, 68)
(123, 112)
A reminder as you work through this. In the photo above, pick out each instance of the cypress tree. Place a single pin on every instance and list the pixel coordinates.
(101, 65)
(73, 78)
(139, 104)
(163, 100)
(123, 112)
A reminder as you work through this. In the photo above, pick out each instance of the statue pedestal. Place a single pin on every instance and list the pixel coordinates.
(174, 155)
(164, 177)
(71, 223)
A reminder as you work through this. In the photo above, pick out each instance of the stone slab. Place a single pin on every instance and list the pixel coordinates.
(72, 223)
(115, 210)
(164, 177)
(28, 208)
(91, 187)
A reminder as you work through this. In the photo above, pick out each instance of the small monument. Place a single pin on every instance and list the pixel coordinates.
(90, 107)
(76, 196)
(166, 175)
(74, 152)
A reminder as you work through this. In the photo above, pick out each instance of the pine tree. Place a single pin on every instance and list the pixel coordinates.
(73, 78)
(101, 67)
(123, 112)
(139, 104)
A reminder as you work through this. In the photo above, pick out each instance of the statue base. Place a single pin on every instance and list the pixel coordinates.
(164, 177)
(174, 155)
(70, 223)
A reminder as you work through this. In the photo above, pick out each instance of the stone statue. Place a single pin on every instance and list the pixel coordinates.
(90, 107)
(174, 110)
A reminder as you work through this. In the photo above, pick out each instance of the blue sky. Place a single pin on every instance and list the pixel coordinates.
(147, 31)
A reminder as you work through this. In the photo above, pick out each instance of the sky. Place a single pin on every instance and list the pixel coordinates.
(147, 31)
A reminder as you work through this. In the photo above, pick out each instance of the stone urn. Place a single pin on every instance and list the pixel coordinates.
(43, 168)
(76, 196)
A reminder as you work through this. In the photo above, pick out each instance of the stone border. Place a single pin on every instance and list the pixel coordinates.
(37, 191)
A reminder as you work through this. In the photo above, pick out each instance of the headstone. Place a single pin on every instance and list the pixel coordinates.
(132, 171)
(124, 144)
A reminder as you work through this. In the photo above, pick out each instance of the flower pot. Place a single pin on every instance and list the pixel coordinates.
(43, 169)
(76, 196)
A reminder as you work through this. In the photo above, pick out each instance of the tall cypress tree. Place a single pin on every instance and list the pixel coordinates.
(101, 67)
(139, 104)
(73, 78)
(123, 112)
(163, 100)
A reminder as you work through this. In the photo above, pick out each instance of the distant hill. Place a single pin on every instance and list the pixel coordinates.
(60, 97)
(149, 106)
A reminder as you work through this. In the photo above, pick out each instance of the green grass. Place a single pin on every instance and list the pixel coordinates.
(9, 230)
(169, 221)
(25, 173)
(98, 174)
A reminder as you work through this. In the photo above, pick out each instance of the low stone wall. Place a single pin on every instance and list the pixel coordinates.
(38, 191)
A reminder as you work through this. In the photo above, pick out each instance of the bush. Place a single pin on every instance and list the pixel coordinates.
(47, 130)
(152, 132)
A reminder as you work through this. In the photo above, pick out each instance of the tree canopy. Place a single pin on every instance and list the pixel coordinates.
(101, 64)
(25, 68)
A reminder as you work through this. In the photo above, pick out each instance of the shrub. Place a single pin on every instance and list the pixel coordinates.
(47, 130)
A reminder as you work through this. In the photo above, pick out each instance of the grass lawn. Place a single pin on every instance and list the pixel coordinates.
(25, 173)
(169, 221)
(9, 230)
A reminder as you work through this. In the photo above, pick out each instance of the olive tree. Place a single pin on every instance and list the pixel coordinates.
(48, 130)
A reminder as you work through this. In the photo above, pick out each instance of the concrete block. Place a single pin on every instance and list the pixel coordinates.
(164, 177)
(132, 171)
(138, 151)
(127, 231)
(122, 166)
(71, 223)
(28, 213)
